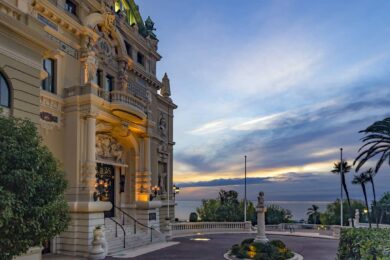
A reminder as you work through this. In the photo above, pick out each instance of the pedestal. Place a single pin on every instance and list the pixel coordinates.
(260, 237)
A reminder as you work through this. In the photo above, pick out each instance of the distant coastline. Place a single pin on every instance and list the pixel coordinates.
(297, 208)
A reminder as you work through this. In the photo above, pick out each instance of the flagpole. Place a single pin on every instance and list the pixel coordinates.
(341, 187)
(245, 192)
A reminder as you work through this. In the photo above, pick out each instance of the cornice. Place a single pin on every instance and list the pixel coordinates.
(62, 19)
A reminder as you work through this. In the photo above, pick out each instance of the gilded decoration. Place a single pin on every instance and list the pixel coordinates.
(107, 148)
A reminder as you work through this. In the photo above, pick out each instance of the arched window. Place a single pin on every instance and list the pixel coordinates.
(4, 92)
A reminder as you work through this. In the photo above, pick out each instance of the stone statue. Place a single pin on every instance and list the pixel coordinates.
(260, 200)
(163, 125)
(91, 66)
(357, 218)
(149, 25)
(166, 86)
(122, 74)
(109, 21)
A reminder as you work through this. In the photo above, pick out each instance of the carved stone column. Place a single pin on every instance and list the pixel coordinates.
(89, 174)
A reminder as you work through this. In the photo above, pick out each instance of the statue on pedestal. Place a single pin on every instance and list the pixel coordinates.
(261, 209)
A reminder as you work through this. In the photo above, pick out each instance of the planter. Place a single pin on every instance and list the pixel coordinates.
(231, 257)
(34, 253)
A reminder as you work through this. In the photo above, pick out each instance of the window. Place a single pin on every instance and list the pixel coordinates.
(140, 58)
(48, 84)
(98, 78)
(109, 86)
(129, 49)
(4, 92)
(70, 6)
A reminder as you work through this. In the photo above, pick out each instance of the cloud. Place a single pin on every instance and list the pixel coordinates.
(209, 128)
(293, 138)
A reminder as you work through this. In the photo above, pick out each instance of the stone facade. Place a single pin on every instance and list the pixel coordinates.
(85, 73)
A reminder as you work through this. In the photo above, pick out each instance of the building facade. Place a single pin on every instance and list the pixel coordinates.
(85, 73)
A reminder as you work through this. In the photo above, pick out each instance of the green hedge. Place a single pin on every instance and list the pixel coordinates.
(364, 244)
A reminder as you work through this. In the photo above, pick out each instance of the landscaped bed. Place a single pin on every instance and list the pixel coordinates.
(364, 243)
(249, 249)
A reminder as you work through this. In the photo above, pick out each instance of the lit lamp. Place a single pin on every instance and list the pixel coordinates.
(155, 189)
(176, 190)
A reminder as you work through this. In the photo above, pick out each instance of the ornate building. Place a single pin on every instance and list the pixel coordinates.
(85, 73)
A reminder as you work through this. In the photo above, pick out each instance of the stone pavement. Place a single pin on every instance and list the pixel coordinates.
(213, 249)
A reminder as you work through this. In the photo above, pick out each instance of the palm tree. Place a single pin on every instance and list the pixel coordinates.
(376, 142)
(362, 180)
(370, 177)
(313, 212)
(346, 169)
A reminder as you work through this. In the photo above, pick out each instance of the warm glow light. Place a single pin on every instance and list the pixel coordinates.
(200, 239)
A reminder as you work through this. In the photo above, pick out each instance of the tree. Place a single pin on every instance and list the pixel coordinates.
(226, 207)
(33, 207)
(384, 208)
(361, 179)
(193, 217)
(314, 215)
(276, 215)
(346, 168)
(370, 177)
(331, 216)
(376, 142)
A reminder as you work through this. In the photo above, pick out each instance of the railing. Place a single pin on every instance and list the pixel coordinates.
(116, 231)
(119, 97)
(187, 228)
(136, 222)
(302, 227)
(127, 98)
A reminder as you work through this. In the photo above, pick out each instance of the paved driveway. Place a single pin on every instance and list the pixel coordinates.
(310, 248)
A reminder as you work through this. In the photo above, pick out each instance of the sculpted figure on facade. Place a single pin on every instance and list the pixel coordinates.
(108, 148)
(166, 86)
(91, 65)
(163, 125)
(122, 74)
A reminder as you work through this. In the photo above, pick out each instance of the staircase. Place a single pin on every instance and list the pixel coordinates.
(130, 235)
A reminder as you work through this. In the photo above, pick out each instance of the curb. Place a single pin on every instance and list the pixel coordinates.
(229, 257)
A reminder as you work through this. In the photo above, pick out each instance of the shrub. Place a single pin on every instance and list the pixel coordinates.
(193, 217)
(247, 241)
(33, 208)
(363, 243)
(235, 249)
(274, 250)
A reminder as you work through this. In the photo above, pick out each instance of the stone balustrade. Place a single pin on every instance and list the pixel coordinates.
(128, 99)
(114, 97)
(192, 228)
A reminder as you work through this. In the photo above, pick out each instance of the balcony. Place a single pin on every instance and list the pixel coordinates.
(122, 104)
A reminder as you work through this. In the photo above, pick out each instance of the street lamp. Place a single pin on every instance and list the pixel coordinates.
(176, 190)
(155, 189)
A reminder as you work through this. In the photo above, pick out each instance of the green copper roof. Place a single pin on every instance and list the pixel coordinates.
(131, 9)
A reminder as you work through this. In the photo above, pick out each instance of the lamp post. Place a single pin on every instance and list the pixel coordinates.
(245, 192)
(341, 186)
(176, 190)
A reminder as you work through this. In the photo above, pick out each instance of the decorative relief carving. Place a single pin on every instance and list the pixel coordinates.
(48, 117)
(108, 148)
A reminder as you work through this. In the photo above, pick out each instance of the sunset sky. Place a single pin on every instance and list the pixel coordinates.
(286, 83)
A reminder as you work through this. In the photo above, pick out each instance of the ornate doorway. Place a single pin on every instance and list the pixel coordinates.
(105, 186)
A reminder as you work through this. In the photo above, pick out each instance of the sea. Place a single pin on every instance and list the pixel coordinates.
(297, 208)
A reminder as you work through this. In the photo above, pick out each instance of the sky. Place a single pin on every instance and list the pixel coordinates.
(286, 83)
